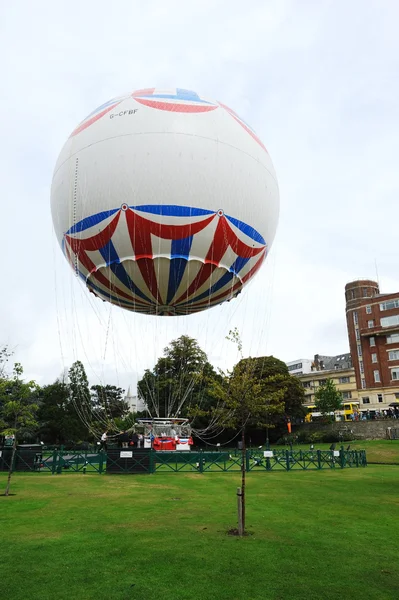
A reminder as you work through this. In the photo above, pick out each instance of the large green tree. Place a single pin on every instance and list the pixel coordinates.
(327, 398)
(80, 395)
(59, 421)
(18, 408)
(179, 380)
(276, 376)
(108, 399)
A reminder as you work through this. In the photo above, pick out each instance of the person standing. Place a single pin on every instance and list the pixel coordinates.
(125, 439)
(103, 443)
(135, 439)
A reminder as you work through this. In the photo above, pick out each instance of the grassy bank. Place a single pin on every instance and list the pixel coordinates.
(316, 535)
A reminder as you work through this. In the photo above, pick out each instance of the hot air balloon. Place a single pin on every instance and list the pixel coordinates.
(164, 202)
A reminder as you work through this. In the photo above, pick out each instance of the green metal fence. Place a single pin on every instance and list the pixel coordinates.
(149, 461)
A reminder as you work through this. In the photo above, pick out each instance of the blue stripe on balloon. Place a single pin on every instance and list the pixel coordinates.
(186, 95)
(224, 280)
(173, 210)
(235, 268)
(100, 108)
(247, 229)
(179, 254)
(116, 299)
(90, 221)
(119, 271)
(238, 264)
(113, 261)
(170, 210)
(109, 254)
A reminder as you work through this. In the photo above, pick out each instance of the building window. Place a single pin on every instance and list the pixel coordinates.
(359, 349)
(294, 367)
(344, 380)
(393, 355)
(370, 324)
(363, 383)
(346, 395)
(380, 398)
(393, 339)
(395, 374)
(322, 381)
(389, 321)
(390, 304)
(366, 400)
(368, 309)
(372, 341)
(377, 377)
(306, 384)
(365, 292)
(355, 319)
(357, 333)
(361, 366)
(374, 358)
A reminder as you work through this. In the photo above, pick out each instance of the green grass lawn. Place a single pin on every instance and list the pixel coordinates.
(317, 535)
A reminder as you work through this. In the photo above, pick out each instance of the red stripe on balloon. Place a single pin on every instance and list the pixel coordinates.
(140, 237)
(97, 241)
(93, 119)
(146, 92)
(234, 288)
(243, 125)
(223, 238)
(173, 107)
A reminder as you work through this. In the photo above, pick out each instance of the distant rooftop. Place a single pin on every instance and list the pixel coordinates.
(331, 363)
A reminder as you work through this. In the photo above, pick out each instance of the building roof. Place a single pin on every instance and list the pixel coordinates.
(330, 363)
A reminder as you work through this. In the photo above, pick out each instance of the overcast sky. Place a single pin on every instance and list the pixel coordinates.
(318, 81)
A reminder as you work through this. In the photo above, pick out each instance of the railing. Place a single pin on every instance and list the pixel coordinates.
(117, 461)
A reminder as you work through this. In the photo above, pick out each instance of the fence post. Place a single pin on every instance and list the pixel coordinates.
(247, 466)
(54, 465)
(342, 457)
(357, 458)
(201, 462)
(239, 511)
(152, 461)
(319, 459)
(287, 459)
(60, 460)
(101, 463)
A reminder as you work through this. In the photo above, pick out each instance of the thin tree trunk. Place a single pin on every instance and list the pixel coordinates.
(243, 466)
(239, 511)
(14, 449)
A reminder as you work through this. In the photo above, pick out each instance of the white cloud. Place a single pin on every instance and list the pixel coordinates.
(317, 80)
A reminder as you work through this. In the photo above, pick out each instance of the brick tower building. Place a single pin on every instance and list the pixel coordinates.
(373, 330)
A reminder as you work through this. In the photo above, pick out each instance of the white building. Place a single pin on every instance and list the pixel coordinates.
(135, 403)
(299, 366)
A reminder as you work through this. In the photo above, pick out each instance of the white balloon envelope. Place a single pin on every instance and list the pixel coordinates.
(164, 202)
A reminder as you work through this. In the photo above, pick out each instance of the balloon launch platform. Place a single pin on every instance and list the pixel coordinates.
(142, 460)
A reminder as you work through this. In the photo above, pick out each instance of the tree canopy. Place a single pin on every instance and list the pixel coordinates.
(18, 409)
(275, 375)
(328, 398)
(181, 383)
(179, 379)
